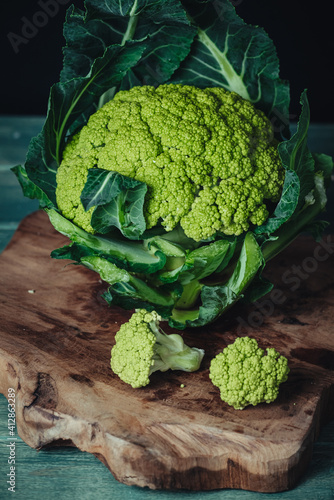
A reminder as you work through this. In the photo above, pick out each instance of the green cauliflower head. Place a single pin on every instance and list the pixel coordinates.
(245, 376)
(207, 156)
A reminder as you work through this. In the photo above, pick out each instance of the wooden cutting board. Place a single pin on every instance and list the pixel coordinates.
(56, 334)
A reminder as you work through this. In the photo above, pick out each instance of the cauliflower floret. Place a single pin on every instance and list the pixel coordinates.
(245, 376)
(142, 348)
(207, 156)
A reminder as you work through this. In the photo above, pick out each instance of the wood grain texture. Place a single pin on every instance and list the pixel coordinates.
(55, 348)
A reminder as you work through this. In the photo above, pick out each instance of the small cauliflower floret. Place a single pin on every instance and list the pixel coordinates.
(201, 140)
(245, 376)
(142, 348)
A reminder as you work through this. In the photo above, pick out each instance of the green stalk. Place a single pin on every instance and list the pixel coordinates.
(128, 35)
(189, 296)
(132, 24)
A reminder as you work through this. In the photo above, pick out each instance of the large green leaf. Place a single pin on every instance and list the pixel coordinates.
(299, 178)
(218, 298)
(30, 190)
(206, 260)
(286, 205)
(131, 289)
(129, 255)
(163, 25)
(138, 294)
(228, 52)
(295, 154)
(118, 202)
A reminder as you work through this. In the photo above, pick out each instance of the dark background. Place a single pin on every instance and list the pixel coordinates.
(302, 33)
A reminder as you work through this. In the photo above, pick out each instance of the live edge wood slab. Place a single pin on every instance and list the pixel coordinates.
(56, 334)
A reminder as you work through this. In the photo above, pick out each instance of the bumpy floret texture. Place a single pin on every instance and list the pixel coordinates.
(245, 376)
(207, 156)
(133, 352)
(142, 347)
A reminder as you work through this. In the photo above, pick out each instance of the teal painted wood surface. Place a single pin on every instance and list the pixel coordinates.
(66, 473)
